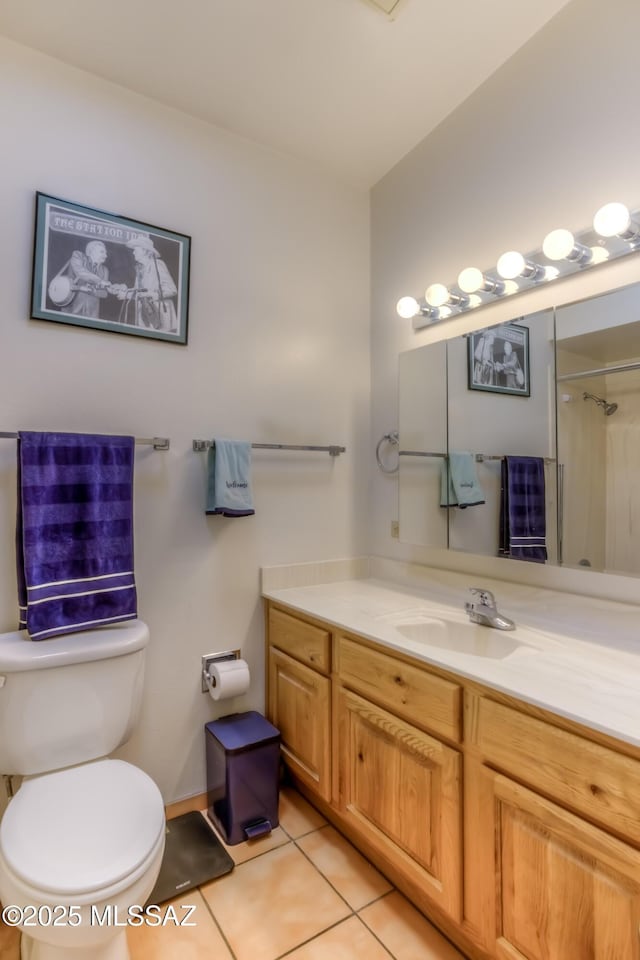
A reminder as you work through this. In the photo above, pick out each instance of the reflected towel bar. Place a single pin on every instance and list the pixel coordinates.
(479, 457)
(158, 443)
(199, 446)
(421, 453)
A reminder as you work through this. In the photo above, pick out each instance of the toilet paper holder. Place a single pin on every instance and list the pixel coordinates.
(210, 658)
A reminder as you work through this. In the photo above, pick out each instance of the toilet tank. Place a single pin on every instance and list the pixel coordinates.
(69, 699)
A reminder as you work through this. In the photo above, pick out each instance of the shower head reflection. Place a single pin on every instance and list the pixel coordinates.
(608, 408)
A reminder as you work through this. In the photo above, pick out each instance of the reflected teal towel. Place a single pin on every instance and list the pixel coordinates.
(229, 480)
(459, 483)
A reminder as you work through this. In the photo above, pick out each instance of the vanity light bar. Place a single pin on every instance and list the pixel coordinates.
(615, 233)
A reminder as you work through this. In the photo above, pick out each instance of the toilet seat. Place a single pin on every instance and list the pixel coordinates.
(82, 829)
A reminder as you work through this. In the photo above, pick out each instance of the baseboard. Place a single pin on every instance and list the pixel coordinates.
(197, 802)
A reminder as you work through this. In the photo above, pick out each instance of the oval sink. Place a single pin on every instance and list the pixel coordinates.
(469, 638)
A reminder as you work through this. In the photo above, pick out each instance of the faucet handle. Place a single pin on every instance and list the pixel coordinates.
(485, 597)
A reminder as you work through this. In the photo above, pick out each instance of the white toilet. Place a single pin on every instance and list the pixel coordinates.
(81, 842)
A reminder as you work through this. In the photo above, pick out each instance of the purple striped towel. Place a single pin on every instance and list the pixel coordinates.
(74, 532)
(523, 526)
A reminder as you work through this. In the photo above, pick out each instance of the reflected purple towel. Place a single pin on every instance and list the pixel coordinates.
(523, 527)
(74, 532)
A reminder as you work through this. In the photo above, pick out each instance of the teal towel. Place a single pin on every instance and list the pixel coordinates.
(459, 485)
(229, 479)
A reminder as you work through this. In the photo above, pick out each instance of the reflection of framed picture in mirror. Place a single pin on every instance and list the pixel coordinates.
(498, 360)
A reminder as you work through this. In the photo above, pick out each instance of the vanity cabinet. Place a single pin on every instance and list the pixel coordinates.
(398, 787)
(516, 831)
(564, 889)
(299, 696)
(554, 857)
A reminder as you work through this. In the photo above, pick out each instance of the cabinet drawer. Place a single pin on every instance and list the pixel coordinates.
(585, 776)
(429, 702)
(302, 640)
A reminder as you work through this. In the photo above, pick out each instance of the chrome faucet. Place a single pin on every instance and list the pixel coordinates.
(482, 609)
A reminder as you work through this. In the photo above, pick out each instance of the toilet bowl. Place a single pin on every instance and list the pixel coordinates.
(78, 848)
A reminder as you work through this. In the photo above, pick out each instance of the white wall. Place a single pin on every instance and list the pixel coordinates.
(278, 351)
(543, 143)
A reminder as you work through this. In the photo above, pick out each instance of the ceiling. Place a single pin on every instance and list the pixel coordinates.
(335, 82)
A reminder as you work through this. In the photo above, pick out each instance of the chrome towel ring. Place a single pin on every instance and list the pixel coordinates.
(392, 439)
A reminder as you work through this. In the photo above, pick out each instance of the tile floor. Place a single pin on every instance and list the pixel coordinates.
(303, 892)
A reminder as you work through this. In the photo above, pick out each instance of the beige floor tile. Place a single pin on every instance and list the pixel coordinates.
(296, 815)
(272, 904)
(350, 940)
(9, 942)
(354, 878)
(168, 942)
(405, 932)
(241, 852)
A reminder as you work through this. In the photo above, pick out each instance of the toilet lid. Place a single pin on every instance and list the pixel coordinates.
(82, 829)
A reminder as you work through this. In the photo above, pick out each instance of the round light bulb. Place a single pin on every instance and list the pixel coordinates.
(599, 254)
(436, 295)
(510, 265)
(558, 244)
(407, 307)
(470, 279)
(611, 220)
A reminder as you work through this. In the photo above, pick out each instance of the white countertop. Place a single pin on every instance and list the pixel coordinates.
(580, 656)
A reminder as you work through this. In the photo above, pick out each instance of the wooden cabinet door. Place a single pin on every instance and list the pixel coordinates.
(299, 706)
(565, 890)
(400, 789)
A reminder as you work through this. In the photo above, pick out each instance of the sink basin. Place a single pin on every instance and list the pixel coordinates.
(468, 638)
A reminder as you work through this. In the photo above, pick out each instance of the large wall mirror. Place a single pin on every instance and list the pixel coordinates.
(556, 392)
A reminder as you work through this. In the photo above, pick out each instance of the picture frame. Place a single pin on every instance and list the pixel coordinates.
(109, 272)
(498, 360)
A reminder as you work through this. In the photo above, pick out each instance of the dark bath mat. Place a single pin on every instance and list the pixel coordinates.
(192, 855)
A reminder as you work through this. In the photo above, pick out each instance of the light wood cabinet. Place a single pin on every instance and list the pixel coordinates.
(593, 780)
(299, 695)
(299, 706)
(400, 789)
(306, 642)
(552, 865)
(561, 888)
(515, 831)
(408, 690)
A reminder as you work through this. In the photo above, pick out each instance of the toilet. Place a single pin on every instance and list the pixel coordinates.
(82, 839)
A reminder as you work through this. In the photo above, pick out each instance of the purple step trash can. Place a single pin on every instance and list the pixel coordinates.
(243, 761)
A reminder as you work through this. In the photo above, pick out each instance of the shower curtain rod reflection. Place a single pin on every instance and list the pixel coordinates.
(201, 445)
(600, 371)
(158, 443)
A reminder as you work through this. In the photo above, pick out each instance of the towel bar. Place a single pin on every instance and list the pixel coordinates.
(158, 443)
(199, 446)
(479, 457)
(421, 453)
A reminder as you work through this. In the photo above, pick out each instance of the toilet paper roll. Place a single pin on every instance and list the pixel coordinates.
(229, 678)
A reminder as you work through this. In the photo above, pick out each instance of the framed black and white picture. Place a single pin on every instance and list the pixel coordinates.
(102, 270)
(498, 360)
